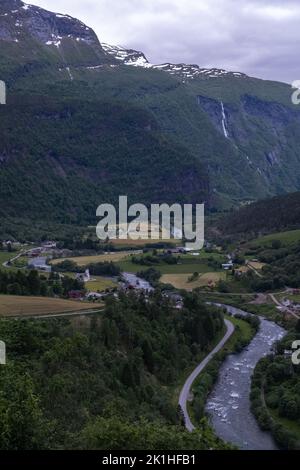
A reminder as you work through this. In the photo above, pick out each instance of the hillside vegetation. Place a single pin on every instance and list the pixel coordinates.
(106, 382)
(270, 215)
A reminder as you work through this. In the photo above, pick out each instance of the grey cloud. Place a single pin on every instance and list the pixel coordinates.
(258, 37)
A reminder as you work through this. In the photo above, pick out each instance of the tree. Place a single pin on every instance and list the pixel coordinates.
(22, 424)
(14, 289)
(34, 283)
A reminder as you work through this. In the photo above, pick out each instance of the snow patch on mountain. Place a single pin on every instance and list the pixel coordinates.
(183, 71)
(127, 56)
(21, 19)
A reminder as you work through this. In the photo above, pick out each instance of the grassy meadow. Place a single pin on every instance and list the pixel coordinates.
(13, 305)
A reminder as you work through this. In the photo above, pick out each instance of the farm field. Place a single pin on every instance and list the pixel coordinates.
(288, 237)
(84, 260)
(256, 265)
(287, 295)
(11, 305)
(187, 267)
(5, 256)
(181, 281)
(100, 283)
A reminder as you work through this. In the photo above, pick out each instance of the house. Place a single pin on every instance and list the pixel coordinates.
(175, 298)
(94, 296)
(227, 266)
(34, 252)
(173, 251)
(83, 277)
(49, 245)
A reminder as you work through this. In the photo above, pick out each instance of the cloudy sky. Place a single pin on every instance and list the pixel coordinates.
(257, 37)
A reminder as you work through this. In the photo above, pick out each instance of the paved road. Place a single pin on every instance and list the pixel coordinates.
(185, 392)
(5, 264)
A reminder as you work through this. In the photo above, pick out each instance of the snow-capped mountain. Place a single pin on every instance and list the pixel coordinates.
(245, 136)
(19, 19)
(20, 23)
(127, 56)
(184, 71)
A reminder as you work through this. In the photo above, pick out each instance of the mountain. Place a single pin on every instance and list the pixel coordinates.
(41, 34)
(182, 71)
(87, 121)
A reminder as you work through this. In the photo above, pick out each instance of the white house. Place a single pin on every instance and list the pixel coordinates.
(84, 277)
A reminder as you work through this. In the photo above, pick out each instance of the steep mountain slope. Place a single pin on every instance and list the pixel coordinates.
(256, 118)
(83, 126)
(46, 36)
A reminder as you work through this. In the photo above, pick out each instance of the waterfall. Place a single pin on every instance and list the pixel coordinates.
(224, 121)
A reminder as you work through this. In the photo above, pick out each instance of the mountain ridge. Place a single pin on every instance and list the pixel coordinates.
(52, 28)
(233, 137)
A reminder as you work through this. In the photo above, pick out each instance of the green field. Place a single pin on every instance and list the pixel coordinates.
(100, 283)
(85, 260)
(5, 256)
(13, 305)
(188, 264)
(181, 281)
(287, 238)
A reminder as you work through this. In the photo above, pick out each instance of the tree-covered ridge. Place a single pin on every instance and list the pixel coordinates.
(269, 215)
(275, 394)
(116, 372)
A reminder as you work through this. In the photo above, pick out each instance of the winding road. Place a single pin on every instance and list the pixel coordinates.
(186, 390)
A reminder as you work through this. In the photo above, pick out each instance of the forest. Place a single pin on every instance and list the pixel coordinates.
(268, 215)
(275, 393)
(108, 381)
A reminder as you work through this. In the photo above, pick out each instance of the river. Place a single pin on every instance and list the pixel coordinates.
(229, 404)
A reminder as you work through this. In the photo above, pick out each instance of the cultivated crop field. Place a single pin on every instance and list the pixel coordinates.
(256, 265)
(85, 260)
(13, 305)
(181, 281)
